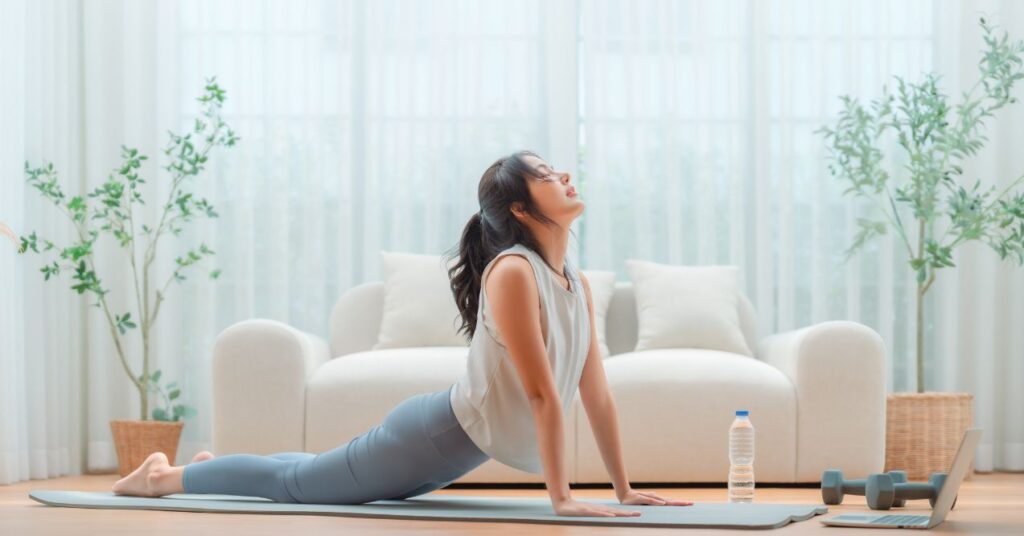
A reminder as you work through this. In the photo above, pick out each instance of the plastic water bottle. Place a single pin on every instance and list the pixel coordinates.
(741, 458)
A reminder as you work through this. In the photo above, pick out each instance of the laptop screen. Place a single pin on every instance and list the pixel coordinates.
(956, 474)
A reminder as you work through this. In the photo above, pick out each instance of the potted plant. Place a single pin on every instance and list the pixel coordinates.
(110, 208)
(937, 140)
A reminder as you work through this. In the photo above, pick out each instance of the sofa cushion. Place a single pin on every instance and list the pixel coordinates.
(687, 307)
(675, 407)
(352, 393)
(602, 287)
(419, 309)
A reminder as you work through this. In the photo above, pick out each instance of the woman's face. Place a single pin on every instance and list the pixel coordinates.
(553, 193)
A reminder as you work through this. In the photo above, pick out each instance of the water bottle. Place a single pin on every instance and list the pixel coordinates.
(741, 458)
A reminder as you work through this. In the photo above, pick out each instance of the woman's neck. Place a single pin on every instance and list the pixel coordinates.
(553, 244)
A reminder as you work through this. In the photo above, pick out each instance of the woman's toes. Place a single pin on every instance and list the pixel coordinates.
(119, 487)
(137, 482)
(204, 455)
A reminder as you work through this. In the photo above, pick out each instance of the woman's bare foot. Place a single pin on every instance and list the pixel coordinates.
(202, 456)
(148, 480)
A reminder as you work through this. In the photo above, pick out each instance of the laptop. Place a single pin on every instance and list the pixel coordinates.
(964, 455)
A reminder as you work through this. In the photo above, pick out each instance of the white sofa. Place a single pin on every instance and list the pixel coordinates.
(816, 395)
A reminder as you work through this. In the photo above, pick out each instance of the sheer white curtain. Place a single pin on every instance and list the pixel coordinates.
(365, 125)
(42, 328)
(698, 126)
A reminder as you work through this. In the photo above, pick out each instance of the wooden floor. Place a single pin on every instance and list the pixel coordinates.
(987, 504)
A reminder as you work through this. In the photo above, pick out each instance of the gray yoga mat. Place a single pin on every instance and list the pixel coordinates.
(457, 508)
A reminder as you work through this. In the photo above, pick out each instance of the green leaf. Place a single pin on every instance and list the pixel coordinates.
(29, 242)
(174, 394)
(868, 229)
(156, 375)
(50, 270)
(123, 322)
(160, 415)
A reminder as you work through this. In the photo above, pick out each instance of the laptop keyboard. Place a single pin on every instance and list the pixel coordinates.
(901, 520)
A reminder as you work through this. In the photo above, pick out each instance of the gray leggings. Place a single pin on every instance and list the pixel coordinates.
(420, 447)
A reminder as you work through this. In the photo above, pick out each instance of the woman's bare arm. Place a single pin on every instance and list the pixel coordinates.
(515, 303)
(600, 407)
(511, 289)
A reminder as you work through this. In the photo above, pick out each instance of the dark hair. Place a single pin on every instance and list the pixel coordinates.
(493, 230)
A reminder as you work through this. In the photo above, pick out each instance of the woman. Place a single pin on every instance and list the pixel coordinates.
(535, 349)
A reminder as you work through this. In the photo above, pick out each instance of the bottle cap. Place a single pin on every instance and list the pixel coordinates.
(742, 413)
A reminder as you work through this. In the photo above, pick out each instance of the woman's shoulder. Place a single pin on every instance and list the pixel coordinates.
(513, 266)
(510, 266)
(511, 288)
(518, 247)
(516, 250)
(511, 269)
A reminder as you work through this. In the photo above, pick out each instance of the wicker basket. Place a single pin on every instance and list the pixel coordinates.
(136, 440)
(923, 431)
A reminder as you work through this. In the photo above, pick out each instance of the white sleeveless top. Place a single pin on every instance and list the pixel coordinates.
(489, 400)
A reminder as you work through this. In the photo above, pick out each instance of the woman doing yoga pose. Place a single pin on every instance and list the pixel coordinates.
(531, 348)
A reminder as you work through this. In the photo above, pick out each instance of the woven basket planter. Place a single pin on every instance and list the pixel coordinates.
(136, 440)
(923, 431)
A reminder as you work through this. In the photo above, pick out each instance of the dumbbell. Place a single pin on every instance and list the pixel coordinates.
(833, 487)
(883, 492)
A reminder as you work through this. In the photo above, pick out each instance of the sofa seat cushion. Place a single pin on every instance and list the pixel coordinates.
(352, 393)
(675, 407)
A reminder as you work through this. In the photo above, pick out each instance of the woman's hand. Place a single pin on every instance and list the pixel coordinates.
(632, 496)
(574, 508)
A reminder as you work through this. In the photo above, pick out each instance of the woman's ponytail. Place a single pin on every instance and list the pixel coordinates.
(466, 273)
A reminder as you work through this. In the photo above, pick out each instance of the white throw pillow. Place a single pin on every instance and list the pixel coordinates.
(419, 308)
(602, 287)
(687, 307)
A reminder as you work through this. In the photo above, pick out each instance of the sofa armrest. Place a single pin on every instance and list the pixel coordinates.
(838, 370)
(260, 371)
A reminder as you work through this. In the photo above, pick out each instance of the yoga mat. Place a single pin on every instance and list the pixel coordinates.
(457, 508)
